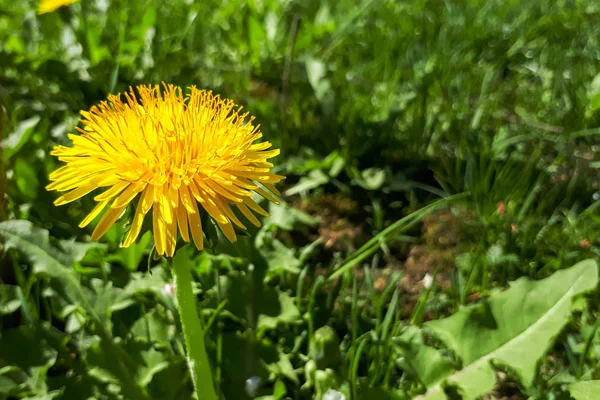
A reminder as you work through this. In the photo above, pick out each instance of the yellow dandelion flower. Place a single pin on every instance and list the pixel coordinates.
(47, 6)
(172, 152)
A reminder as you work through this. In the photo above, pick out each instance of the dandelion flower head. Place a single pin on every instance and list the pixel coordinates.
(179, 155)
(47, 6)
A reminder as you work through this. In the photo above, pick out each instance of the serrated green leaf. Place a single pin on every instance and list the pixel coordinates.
(280, 259)
(284, 368)
(165, 383)
(513, 328)
(153, 362)
(47, 259)
(151, 328)
(104, 297)
(56, 263)
(427, 363)
(147, 283)
(288, 314)
(25, 348)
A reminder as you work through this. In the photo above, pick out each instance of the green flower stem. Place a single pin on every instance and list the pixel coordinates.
(192, 330)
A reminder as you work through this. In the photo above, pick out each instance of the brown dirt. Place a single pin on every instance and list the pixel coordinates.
(505, 389)
(440, 236)
(335, 212)
(341, 231)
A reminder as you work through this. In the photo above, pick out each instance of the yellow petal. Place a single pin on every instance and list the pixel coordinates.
(128, 194)
(267, 195)
(248, 214)
(216, 214)
(108, 220)
(255, 207)
(196, 227)
(209, 205)
(228, 230)
(65, 170)
(170, 237)
(272, 189)
(260, 146)
(147, 199)
(222, 191)
(166, 210)
(186, 199)
(95, 212)
(203, 186)
(173, 196)
(245, 183)
(113, 191)
(74, 194)
(222, 204)
(182, 222)
(158, 190)
(158, 230)
(138, 219)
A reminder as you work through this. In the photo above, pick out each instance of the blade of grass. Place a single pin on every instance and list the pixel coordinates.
(402, 224)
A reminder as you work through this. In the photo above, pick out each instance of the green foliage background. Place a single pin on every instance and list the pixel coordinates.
(380, 108)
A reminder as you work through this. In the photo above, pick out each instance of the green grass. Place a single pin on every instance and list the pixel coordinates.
(453, 138)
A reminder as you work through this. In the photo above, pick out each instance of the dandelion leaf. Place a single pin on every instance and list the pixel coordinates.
(513, 328)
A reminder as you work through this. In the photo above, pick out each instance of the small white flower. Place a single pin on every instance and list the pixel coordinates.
(333, 395)
(168, 290)
(252, 385)
(427, 281)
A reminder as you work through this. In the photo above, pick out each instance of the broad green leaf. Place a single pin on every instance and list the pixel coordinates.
(166, 383)
(427, 363)
(371, 178)
(280, 259)
(314, 179)
(288, 218)
(47, 396)
(17, 139)
(594, 93)
(153, 283)
(25, 348)
(26, 178)
(151, 328)
(288, 314)
(48, 259)
(585, 390)
(132, 256)
(279, 392)
(284, 368)
(105, 299)
(153, 362)
(512, 328)
(316, 71)
(8, 386)
(244, 357)
(256, 38)
(9, 299)
(367, 393)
